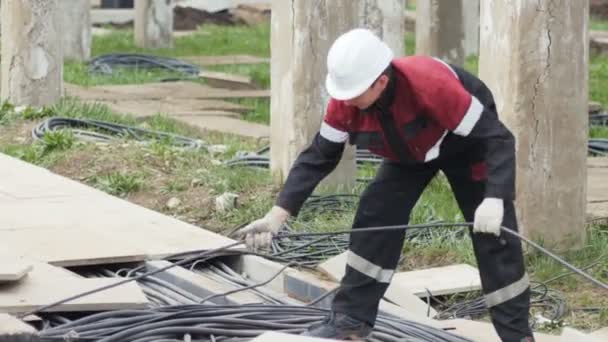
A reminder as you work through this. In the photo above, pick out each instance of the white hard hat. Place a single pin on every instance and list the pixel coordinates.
(354, 62)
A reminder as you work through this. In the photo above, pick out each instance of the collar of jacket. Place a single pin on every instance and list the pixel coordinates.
(385, 100)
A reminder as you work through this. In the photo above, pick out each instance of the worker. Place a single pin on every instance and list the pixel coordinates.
(423, 116)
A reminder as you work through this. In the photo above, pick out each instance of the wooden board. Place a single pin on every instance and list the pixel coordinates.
(75, 224)
(439, 280)
(225, 60)
(272, 336)
(601, 334)
(484, 332)
(13, 270)
(334, 267)
(47, 284)
(597, 187)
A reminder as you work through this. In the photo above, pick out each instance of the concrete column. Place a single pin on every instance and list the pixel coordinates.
(470, 17)
(32, 60)
(76, 29)
(534, 57)
(440, 30)
(386, 19)
(302, 33)
(154, 23)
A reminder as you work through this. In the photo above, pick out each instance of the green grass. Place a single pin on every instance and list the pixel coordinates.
(119, 183)
(598, 24)
(598, 79)
(598, 132)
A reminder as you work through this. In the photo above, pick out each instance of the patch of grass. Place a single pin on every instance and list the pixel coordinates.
(74, 108)
(410, 43)
(598, 79)
(596, 132)
(31, 153)
(58, 140)
(32, 113)
(78, 73)
(598, 24)
(119, 183)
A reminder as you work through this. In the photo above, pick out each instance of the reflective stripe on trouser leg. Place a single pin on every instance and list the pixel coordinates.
(508, 292)
(373, 256)
(500, 260)
(368, 268)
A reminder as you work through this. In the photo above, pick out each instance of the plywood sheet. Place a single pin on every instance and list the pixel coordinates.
(484, 332)
(46, 284)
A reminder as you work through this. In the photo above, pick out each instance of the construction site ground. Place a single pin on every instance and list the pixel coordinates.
(177, 188)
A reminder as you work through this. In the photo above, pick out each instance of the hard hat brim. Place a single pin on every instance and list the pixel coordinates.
(346, 94)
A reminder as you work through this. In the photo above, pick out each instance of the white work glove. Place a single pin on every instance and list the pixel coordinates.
(488, 216)
(259, 233)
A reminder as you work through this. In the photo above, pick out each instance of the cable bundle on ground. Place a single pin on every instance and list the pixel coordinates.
(223, 323)
(106, 64)
(553, 305)
(600, 119)
(598, 147)
(101, 131)
(261, 159)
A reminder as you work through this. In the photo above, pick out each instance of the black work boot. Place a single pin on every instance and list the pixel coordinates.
(339, 326)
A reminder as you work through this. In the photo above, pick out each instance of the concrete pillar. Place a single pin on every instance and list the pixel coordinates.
(32, 60)
(386, 19)
(76, 29)
(440, 29)
(302, 33)
(470, 17)
(154, 23)
(534, 57)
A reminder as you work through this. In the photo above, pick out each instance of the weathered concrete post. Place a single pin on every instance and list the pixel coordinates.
(440, 30)
(470, 17)
(302, 33)
(154, 23)
(32, 60)
(534, 57)
(76, 29)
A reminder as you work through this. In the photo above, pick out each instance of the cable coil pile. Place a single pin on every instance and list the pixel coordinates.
(101, 131)
(224, 323)
(107, 64)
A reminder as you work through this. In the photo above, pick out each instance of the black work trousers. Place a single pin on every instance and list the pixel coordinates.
(373, 257)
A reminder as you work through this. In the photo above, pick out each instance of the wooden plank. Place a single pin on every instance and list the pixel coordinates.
(334, 267)
(601, 334)
(569, 335)
(225, 60)
(228, 125)
(225, 80)
(47, 284)
(13, 270)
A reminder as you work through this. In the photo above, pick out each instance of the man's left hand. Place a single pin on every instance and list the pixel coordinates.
(488, 216)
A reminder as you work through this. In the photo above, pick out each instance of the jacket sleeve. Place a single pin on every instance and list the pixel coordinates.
(312, 165)
(318, 160)
(448, 102)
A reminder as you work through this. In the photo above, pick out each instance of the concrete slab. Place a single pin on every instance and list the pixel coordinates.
(46, 284)
(438, 280)
(15, 330)
(111, 15)
(75, 224)
(334, 267)
(12, 269)
(272, 336)
(601, 334)
(569, 335)
(484, 332)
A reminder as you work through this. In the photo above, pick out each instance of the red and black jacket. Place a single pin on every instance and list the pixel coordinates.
(429, 111)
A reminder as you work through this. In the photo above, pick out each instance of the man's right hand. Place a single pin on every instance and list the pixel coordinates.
(259, 233)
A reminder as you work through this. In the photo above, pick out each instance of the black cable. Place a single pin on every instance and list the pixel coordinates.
(102, 131)
(106, 64)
